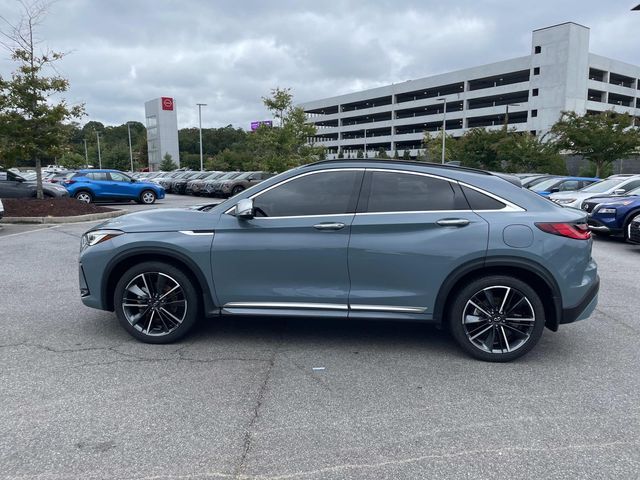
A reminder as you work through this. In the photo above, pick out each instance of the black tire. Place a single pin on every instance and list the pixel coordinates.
(477, 337)
(147, 197)
(236, 190)
(156, 324)
(627, 221)
(84, 196)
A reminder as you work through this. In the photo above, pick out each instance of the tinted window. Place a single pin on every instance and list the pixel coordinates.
(402, 192)
(119, 177)
(631, 185)
(569, 185)
(97, 176)
(480, 201)
(316, 194)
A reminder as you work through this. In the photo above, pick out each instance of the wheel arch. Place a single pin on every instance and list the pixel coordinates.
(121, 263)
(534, 275)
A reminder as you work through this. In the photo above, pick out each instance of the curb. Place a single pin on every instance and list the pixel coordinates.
(75, 219)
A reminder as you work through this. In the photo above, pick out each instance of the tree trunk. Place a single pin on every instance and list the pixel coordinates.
(39, 192)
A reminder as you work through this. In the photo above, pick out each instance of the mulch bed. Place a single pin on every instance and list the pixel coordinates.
(49, 207)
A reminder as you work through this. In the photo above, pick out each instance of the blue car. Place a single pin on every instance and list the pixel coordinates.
(109, 185)
(611, 215)
(395, 240)
(562, 184)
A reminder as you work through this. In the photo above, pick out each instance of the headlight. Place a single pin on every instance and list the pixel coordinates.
(607, 210)
(564, 201)
(97, 236)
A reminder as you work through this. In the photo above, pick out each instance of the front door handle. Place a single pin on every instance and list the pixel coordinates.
(329, 226)
(453, 222)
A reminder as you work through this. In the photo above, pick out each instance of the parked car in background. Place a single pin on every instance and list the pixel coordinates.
(194, 187)
(529, 182)
(610, 186)
(233, 186)
(179, 184)
(211, 185)
(612, 215)
(13, 185)
(104, 185)
(390, 239)
(1, 210)
(562, 184)
(59, 177)
(633, 232)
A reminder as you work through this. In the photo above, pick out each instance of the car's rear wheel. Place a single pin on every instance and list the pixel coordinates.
(156, 302)
(84, 196)
(497, 318)
(236, 190)
(148, 197)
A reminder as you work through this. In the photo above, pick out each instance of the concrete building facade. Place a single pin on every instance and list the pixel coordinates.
(162, 131)
(529, 93)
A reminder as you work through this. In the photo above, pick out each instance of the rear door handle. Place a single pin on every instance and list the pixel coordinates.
(453, 222)
(329, 226)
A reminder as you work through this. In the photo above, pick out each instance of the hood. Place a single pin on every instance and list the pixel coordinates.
(573, 194)
(614, 199)
(163, 220)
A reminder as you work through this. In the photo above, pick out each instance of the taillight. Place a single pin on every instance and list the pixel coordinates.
(578, 231)
(69, 182)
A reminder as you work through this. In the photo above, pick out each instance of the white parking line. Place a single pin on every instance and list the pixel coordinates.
(28, 231)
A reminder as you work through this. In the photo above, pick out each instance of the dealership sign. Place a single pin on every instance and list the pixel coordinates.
(256, 125)
(167, 103)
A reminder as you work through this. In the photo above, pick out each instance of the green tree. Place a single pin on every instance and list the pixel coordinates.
(31, 122)
(341, 154)
(280, 148)
(167, 163)
(601, 138)
(72, 160)
(433, 147)
(396, 155)
(406, 154)
(477, 148)
(382, 153)
(360, 154)
(524, 152)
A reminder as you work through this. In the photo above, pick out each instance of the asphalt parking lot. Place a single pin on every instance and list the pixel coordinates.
(304, 399)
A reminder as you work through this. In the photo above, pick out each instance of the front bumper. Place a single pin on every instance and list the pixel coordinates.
(585, 307)
(597, 225)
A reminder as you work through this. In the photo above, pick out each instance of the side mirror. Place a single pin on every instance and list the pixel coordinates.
(619, 191)
(244, 208)
(554, 190)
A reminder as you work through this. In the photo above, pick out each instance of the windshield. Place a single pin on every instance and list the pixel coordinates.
(546, 185)
(635, 191)
(244, 175)
(603, 186)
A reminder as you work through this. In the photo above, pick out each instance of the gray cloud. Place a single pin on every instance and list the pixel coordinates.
(229, 54)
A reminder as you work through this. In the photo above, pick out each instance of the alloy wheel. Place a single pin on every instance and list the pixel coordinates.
(83, 197)
(154, 303)
(498, 319)
(148, 197)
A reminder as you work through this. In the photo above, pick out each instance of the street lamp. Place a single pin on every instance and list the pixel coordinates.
(444, 125)
(365, 143)
(99, 157)
(200, 105)
(506, 114)
(130, 150)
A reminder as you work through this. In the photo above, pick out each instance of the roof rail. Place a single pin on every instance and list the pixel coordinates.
(394, 160)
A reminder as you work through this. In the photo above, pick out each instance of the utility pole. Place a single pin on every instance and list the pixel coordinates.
(444, 125)
(200, 105)
(506, 114)
(365, 144)
(86, 154)
(130, 150)
(99, 156)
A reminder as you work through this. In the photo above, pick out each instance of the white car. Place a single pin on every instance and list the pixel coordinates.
(610, 186)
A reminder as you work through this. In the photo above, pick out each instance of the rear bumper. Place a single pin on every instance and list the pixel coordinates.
(585, 307)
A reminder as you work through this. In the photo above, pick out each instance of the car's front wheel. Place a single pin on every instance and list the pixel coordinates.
(497, 318)
(156, 302)
(148, 197)
(84, 196)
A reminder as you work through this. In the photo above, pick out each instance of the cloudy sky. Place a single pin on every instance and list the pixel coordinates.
(229, 54)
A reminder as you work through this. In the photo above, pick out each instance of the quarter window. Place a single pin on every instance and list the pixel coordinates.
(480, 201)
(404, 192)
(324, 193)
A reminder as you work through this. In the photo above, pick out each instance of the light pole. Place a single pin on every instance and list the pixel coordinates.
(444, 125)
(86, 154)
(506, 114)
(99, 157)
(365, 144)
(200, 105)
(130, 150)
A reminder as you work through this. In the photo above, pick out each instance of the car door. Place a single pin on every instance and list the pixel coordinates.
(10, 187)
(291, 258)
(411, 230)
(120, 186)
(99, 183)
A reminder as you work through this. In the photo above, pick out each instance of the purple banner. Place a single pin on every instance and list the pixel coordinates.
(256, 125)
